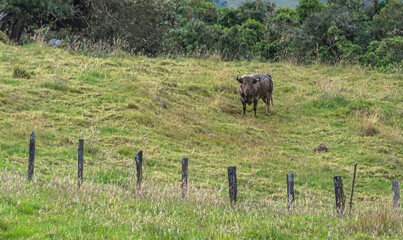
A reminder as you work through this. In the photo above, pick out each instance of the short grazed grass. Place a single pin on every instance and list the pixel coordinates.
(110, 103)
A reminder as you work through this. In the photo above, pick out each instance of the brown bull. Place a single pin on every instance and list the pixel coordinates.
(253, 87)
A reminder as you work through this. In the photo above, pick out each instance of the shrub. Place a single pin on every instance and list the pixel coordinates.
(253, 32)
(232, 44)
(388, 22)
(306, 8)
(24, 15)
(331, 35)
(196, 37)
(386, 53)
(267, 51)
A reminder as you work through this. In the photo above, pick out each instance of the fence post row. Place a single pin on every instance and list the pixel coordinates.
(396, 195)
(339, 194)
(31, 160)
(232, 180)
(290, 191)
(185, 162)
(80, 161)
(139, 166)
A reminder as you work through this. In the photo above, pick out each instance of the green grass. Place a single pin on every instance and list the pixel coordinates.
(110, 103)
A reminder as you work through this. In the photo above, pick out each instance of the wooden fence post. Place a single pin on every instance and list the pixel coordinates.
(185, 163)
(339, 194)
(290, 191)
(139, 166)
(80, 174)
(232, 180)
(396, 195)
(352, 190)
(31, 160)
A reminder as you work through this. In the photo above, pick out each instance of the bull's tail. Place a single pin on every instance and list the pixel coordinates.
(271, 98)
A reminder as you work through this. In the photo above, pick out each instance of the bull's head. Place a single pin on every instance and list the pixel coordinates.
(246, 84)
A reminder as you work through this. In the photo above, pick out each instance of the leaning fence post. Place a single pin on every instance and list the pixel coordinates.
(290, 191)
(80, 161)
(31, 160)
(139, 165)
(233, 191)
(185, 162)
(396, 195)
(339, 194)
(352, 190)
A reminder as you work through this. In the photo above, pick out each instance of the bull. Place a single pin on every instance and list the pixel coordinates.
(253, 87)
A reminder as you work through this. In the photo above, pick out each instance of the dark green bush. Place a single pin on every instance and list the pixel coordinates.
(232, 44)
(389, 21)
(385, 53)
(195, 38)
(329, 36)
(306, 8)
(28, 15)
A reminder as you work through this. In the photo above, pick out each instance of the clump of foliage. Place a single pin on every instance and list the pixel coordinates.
(4, 38)
(385, 53)
(21, 73)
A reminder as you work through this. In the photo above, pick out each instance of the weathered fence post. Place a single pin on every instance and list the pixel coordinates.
(185, 162)
(352, 189)
(139, 166)
(340, 199)
(31, 160)
(396, 195)
(233, 191)
(290, 191)
(80, 161)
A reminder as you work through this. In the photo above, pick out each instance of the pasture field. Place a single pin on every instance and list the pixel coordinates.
(110, 103)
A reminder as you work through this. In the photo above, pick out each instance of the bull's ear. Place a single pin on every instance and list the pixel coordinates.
(240, 80)
(255, 80)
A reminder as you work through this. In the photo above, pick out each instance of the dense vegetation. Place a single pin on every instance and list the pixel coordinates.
(236, 3)
(338, 31)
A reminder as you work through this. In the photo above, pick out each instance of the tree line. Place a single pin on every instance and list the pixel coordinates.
(361, 32)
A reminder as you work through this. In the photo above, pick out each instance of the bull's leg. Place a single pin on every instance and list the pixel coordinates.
(254, 106)
(244, 108)
(267, 105)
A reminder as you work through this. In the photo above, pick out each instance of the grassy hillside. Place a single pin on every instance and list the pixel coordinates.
(110, 103)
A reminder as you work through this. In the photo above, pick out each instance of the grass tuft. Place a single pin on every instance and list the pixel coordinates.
(368, 126)
(132, 105)
(19, 72)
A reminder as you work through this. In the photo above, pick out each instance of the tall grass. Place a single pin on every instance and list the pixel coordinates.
(57, 208)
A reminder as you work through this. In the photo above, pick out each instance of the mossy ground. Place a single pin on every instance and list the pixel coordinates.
(110, 103)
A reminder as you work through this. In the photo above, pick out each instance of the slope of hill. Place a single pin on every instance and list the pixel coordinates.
(110, 103)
